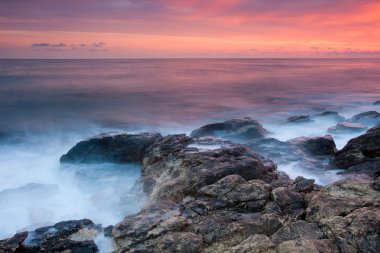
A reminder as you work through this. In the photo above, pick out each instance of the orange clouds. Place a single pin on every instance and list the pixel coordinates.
(192, 28)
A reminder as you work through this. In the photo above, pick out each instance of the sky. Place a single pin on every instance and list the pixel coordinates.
(189, 28)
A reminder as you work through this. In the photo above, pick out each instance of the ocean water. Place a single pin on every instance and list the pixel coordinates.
(46, 106)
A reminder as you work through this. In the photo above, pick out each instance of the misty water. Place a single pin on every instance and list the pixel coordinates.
(46, 106)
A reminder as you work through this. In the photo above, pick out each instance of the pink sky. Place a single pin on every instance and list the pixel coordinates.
(189, 28)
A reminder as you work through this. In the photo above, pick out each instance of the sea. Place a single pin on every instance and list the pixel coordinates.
(46, 106)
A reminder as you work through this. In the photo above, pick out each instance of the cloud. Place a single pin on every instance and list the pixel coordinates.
(40, 45)
(93, 47)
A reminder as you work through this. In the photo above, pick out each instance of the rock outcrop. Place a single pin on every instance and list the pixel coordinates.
(359, 149)
(111, 147)
(235, 129)
(317, 146)
(299, 119)
(366, 118)
(68, 236)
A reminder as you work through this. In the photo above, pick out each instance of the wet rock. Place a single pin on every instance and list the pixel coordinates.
(171, 171)
(370, 168)
(302, 184)
(63, 236)
(111, 147)
(330, 115)
(150, 223)
(299, 119)
(13, 244)
(255, 244)
(315, 145)
(376, 102)
(359, 149)
(234, 129)
(297, 230)
(74, 236)
(370, 117)
(308, 246)
(108, 231)
(347, 127)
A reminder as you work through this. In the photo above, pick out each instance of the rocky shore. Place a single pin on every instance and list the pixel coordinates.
(219, 190)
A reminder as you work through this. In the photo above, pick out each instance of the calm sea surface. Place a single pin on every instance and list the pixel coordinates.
(37, 94)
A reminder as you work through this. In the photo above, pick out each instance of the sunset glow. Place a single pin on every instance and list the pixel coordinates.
(189, 28)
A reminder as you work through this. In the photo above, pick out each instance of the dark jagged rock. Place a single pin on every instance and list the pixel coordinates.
(347, 127)
(331, 115)
(302, 184)
(370, 117)
(234, 129)
(172, 171)
(369, 168)
(324, 145)
(376, 102)
(299, 119)
(74, 236)
(119, 148)
(359, 149)
(13, 244)
(255, 244)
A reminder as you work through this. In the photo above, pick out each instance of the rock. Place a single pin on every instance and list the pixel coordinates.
(330, 115)
(255, 244)
(342, 198)
(367, 118)
(347, 127)
(359, 230)
(315, 145)
(287, 199)
(297, 230)
(369, 168)
(119, 148)
(184, 242)
(359, 149)
(302, 184)
(67, 236)
(308, 246)
(299, 119)
(171, 171)
(234, 189)
(234, 129)
(13, 244)
(376, 102)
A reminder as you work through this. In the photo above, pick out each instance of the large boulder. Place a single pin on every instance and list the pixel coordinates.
(234, 129)
(324, 145)
(369, 169)
(111, 147)
(367, 118)
(172, 171)
(68, 236)
(359, 149)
